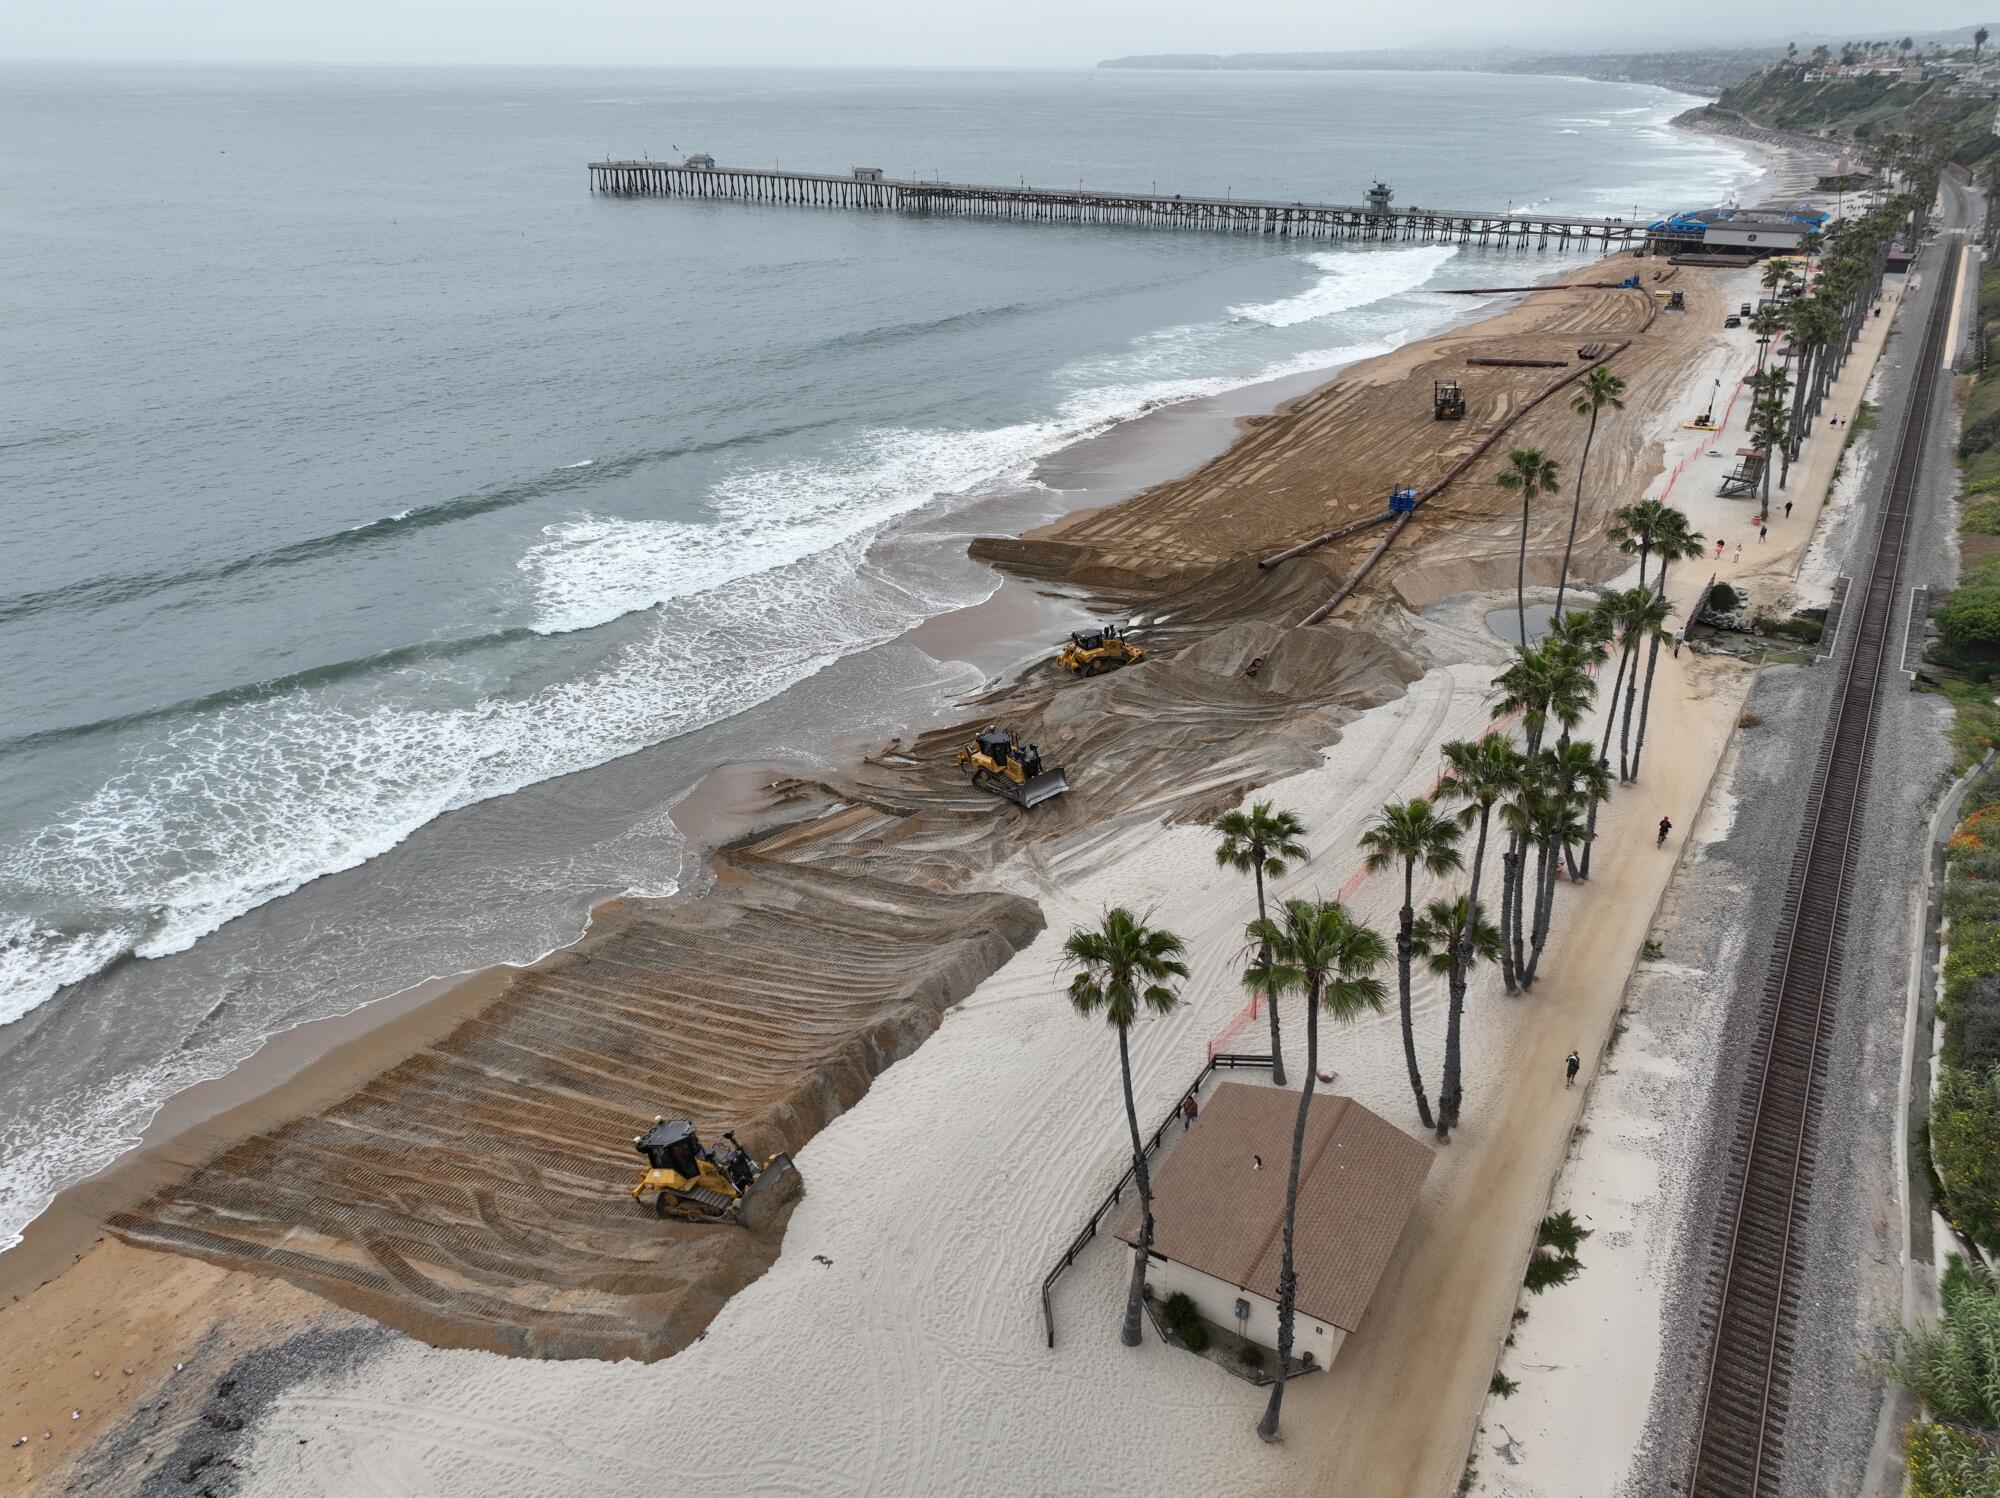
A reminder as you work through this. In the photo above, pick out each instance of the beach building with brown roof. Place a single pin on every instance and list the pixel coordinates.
(1219, 1206)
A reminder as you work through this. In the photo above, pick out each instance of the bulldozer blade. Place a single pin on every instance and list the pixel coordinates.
(777, 1186)
(1044, 787)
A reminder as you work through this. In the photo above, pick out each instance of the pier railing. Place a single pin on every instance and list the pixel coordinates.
(866, 190)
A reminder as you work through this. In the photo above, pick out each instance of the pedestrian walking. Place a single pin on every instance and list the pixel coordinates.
(1572, 1064)
(1666, 826)
(1739, 553)
(1680, 639)
(1719, 544)
(1190, 1111)
(1788, 509)
(1763, 530)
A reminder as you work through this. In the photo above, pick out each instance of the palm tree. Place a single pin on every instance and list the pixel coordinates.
(1478, 772)
(1766, 323)
(1547, 681)
(1614, 611)
(1519, 816)
(1552, 824)
(1260, 842)
(1643, 621)
(1769, 427)
(1412, 832)
(1632, 527)
(1774, 275)
(1122, 965)
(1979, 40)
(1572, 777)
(1317, 948)
(1677, 544)
(1532, 475)
(1443, 938)
(1597, 390)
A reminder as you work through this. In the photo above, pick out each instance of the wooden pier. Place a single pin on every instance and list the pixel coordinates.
(865, 188)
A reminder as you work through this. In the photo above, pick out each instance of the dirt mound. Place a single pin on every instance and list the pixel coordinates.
(474, 1195)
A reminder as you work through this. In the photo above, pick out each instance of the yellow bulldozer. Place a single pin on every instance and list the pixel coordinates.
(999, 763)
(719, 1183)
(1092, 651)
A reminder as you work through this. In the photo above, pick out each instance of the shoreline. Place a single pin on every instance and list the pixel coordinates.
(718, 808)
(1000, 635)
(284, 1077)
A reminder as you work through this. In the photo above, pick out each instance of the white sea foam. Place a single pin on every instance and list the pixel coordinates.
(1348, 280)
(584, 464)
(36, 960)
(250, 802)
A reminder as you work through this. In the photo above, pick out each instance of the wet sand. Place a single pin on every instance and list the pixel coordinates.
(868, 872)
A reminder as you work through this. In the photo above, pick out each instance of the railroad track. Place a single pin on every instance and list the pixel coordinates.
(1739, 1438)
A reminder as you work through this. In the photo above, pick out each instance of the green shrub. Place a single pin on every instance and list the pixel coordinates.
(1723, 599)
(1954, 1368)
(1965, 1141)
(1972, 1031)
(1562, 1232)
(1948, 1463)
(1969, 620)
(1982, 434)
(1502, 1385)
(1982, 517)
(1195, 1337)
(1178, 1312)
(1250, 1355)
(1546, 1269)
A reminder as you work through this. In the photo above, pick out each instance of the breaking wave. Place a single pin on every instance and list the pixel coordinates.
(1349, 280)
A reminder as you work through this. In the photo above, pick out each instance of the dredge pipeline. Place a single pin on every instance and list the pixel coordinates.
(1401, 522)
(1740, 1433)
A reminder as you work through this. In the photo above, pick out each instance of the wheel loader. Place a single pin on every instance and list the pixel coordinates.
(1092, 651)
(997, 762)
(715, 1183)
(1447, 401)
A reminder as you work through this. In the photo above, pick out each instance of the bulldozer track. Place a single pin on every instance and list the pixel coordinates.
(1739, 1436)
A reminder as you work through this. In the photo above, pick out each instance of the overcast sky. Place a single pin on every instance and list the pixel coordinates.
(954, 33)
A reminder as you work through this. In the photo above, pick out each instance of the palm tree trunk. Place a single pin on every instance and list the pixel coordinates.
(1545, 903)
(1405, 944)
(1135, 1297)
(1625, 729)
(1515, 905)
(1288, 1278)
(1645, 704)
(1537, 926)
(1521, 573)
(1450, 1089)
(1603, 758)
(1575, 510)
(1277, 1051)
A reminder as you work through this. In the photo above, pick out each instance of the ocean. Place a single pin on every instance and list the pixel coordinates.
(396, 530)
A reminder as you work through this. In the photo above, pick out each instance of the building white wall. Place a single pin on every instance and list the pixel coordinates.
(1774, 237)
(1216, 1300)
